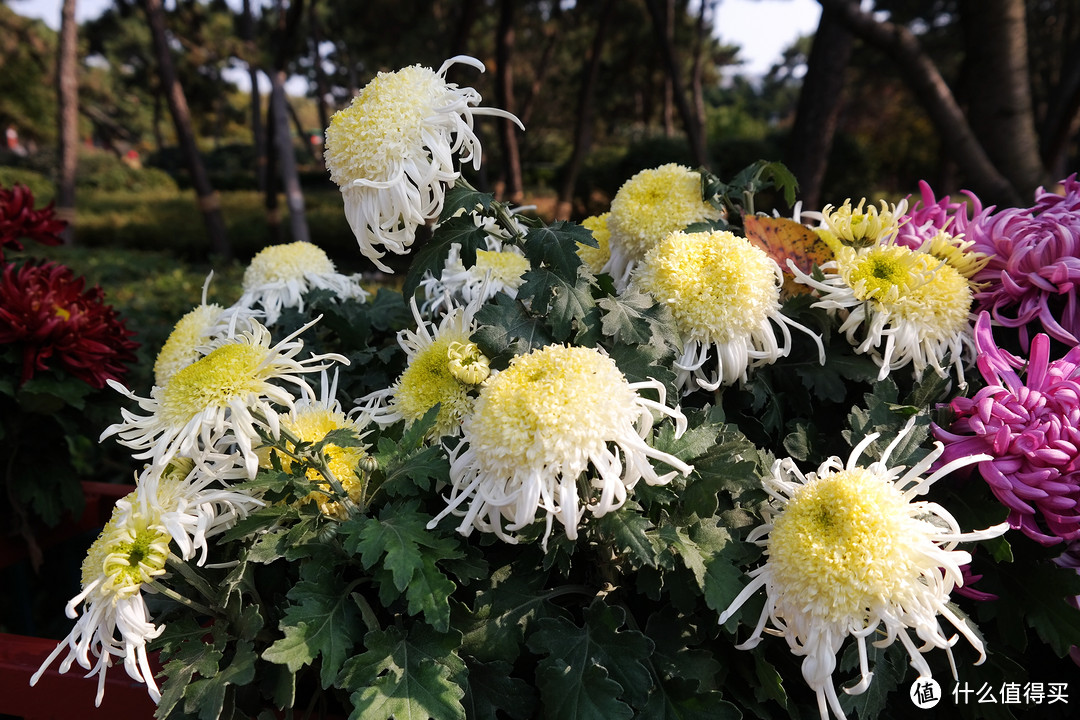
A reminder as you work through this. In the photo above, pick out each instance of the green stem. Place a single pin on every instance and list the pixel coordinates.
(193, 578)
(502, 213)
(188, 602)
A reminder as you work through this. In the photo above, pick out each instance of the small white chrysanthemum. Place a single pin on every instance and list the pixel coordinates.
(392, 152)
(850, 554)
(958, 252)
(310, 421)
(595, 258)
(499, 268)
(225, 394)
(279, 276)
(647, 208)
(115, 623)
(558, 420)
(902, 306)
(724, 294)
(443, 368)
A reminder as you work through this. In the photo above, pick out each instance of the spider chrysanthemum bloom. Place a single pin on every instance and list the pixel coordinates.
(850, 552)
(130, 553)
(560, 431)
(55, 323)
(647, 208)
(228, 394)
(279, 276)
(858, 226)
(724, 294)
(499, 268)
(19, 219)
(1034, 266)
(595, 258)
(392, 152)
(1029, 429)
(443, 367)
(901, 306)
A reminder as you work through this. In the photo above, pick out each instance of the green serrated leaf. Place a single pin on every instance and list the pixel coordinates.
(207, 695)
(321, 621)
(506, 329)
(432, 257)
(567, 673)
(555, 247)
(406, 675)
(676, 700)
(634, 318)
(631, 533)
(493, 691)
(889, 666)
(461, 197)
(563, 302)
(512, 601)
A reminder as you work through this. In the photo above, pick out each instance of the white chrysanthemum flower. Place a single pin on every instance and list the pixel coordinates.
(392, 152)
(311, 420)
(851, 553)
(279, 276)
(499, 268)
(724, 294)
(189, 337)
(557, 421)
(901, 306)
(130, 553)
(443, 367)
(595, 258)
(647, 208)
(225, 394)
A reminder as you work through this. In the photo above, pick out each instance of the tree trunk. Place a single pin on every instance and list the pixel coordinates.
(504, 92)
(1062, 119)
(258, 134)
(694, 135)
(67, 82)
(320, 76)
(583, 118)
(1000, 109)
(815, 120)
(697, 79)
(930, 88)
(285, 37)
(208, 200)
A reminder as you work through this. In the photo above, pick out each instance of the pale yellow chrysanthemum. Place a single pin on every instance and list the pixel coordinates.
(129, 553)
(852, 553)
(227, 395)
(595, 258)
(392, 152)
(858, 227)
(310, 421)
(279, 276)
(443, 368)
(557, 420)
(901, 306)
(724, 294)
(647, 208)
(956, 251)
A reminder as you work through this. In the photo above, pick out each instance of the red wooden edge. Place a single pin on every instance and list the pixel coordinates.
(67, 696)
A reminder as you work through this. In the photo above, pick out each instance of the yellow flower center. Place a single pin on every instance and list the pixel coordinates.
(281, 263)
(549, 405)
(383, 125)
(505, 267)
(717, 284)
(62, 313)
(229, 372)
(129, 553)
(655, 203)
(180, 348)
(428, 381)
(839, 547)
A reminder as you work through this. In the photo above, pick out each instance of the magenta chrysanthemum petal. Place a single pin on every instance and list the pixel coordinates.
(1031, 427)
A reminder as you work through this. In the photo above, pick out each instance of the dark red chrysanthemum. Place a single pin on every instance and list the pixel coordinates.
(19, 219)
(44, 310)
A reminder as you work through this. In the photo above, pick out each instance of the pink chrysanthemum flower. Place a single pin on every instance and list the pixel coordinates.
(1031, 428)
(929, 216)
(1035, 264)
